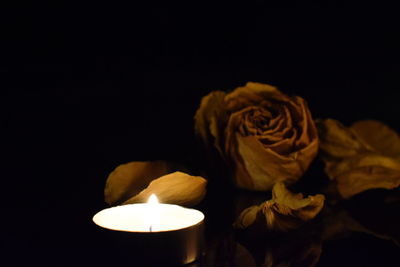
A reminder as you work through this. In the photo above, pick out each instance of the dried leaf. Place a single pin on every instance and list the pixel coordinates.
(285, 211)
(174, 188)
(362, 157)
(129, 179)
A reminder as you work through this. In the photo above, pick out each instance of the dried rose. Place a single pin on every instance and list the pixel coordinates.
(265, 135)
(174, 188)
(361, 157)
(285, 211)
(129, 179)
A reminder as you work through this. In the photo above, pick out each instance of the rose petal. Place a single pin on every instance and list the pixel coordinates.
(378, 136)
(338, 141)
(247, 217)
(275, 124)
(129, 179)
(285, 211)
(174, 188)
(284, 146)
(361, 157)
(251, 95)
(336, 168)
(266, 167)
(263, 165)
(288, 203)
(367, 177)
(210, 119)
(308, 130)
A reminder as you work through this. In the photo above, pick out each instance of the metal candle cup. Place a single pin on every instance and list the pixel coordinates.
(155, 233)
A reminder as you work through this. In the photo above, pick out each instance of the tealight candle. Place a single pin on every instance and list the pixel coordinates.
(159, 233)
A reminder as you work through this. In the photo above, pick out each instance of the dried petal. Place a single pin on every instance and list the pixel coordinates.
(174, 188)
(378, 136)
(338, 168)
(247, 217)
(285, 211)
(336, 140)
(209, 119)
(129, 179)
(288, 203)
(367, 177)
(362, 157)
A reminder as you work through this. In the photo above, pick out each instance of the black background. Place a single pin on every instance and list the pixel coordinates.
(87, 87)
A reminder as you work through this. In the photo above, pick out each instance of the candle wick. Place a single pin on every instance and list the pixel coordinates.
(151, 228)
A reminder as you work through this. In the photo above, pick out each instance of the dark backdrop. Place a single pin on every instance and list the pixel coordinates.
(88, 87)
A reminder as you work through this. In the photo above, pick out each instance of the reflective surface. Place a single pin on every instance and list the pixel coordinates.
(360, 232)
(84, 91)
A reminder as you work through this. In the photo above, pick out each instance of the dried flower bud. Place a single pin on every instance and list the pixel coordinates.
(285, 211)
(174, 188)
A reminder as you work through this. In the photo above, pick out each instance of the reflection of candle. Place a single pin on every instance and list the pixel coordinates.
(173, 233)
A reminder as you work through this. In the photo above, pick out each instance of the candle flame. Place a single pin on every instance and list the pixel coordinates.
(153, 199)
(153, 212)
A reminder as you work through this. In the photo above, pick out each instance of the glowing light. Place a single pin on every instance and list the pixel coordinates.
(153, 200)
(153, 213)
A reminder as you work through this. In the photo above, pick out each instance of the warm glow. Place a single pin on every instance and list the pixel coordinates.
(148, 217)
(153, 200)
(153, 213)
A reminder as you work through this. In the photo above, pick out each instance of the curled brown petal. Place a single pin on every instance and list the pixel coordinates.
(367, 177)
(336, 140)
(362, 160)
(250, 95)
(129, 179)
(284, 212)
(247, 217)
(174, 188)
(359, 158)
(210, 119)
(377, 136)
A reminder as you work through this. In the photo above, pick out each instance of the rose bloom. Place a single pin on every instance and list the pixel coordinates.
(264, 135)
